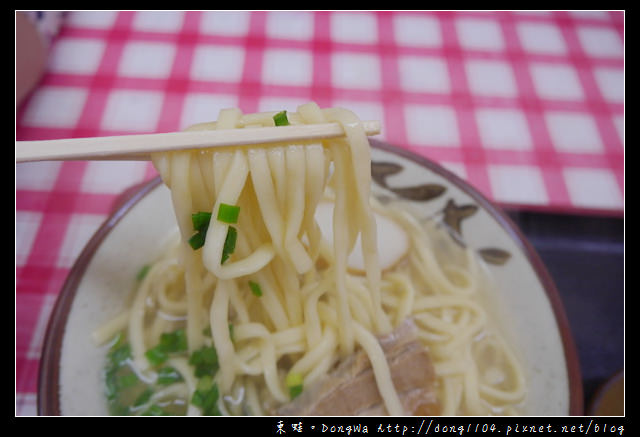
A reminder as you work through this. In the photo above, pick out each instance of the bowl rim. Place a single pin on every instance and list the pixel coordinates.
(48, 400)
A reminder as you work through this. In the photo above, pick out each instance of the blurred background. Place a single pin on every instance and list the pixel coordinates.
(527, 106)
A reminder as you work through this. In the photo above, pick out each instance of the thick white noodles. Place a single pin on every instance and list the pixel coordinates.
(313, 311)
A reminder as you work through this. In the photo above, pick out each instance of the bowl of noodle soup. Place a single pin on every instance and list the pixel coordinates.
(442, 256)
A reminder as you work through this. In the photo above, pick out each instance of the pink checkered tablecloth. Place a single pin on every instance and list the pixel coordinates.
(526, 106)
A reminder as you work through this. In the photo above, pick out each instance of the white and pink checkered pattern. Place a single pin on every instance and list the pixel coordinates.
(526, 106)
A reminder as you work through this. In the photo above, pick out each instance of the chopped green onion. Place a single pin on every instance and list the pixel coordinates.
(197, 399)
(229, 244)
(206, 397)
(294, 381)
(205, 383)
(280, 119)
(127, 380)
(120, 354)
(295, 391)
(228, 213)
(168, 375)
(255, 288)
(155, 410)
(143, 272)
(200, 220)
(175, 341)
(205, 361)
(170, 342)
(197, 240)
(156, 355)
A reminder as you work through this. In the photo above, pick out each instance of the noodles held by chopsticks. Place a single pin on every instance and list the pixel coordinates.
(294, 305)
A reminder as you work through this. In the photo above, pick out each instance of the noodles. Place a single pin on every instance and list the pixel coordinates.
(275, 300)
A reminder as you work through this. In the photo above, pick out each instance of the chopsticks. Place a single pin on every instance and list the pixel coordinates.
(140, 147)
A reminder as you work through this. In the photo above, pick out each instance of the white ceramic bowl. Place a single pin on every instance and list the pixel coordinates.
(104, 273)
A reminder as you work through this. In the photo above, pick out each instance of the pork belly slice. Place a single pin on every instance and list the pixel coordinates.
(351, 390)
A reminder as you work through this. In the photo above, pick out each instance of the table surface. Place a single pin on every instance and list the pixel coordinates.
(526, 106)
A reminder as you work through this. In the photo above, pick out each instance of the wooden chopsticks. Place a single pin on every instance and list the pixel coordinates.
(139, 147)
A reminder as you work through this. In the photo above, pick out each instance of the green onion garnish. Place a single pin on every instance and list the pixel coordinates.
(229, 244)
(200, 222)
(228, 213)
(143, 272)
(120, 354)
(280, 119)
(205, 383)
(205, 361)
(206, 396)
(155, 410)
(294, 381)
(170, 342)
(175, 341)
(197, 240)
(295, 391)
(127, 380)
(168, 375)
(255, 288)
(156, 355)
